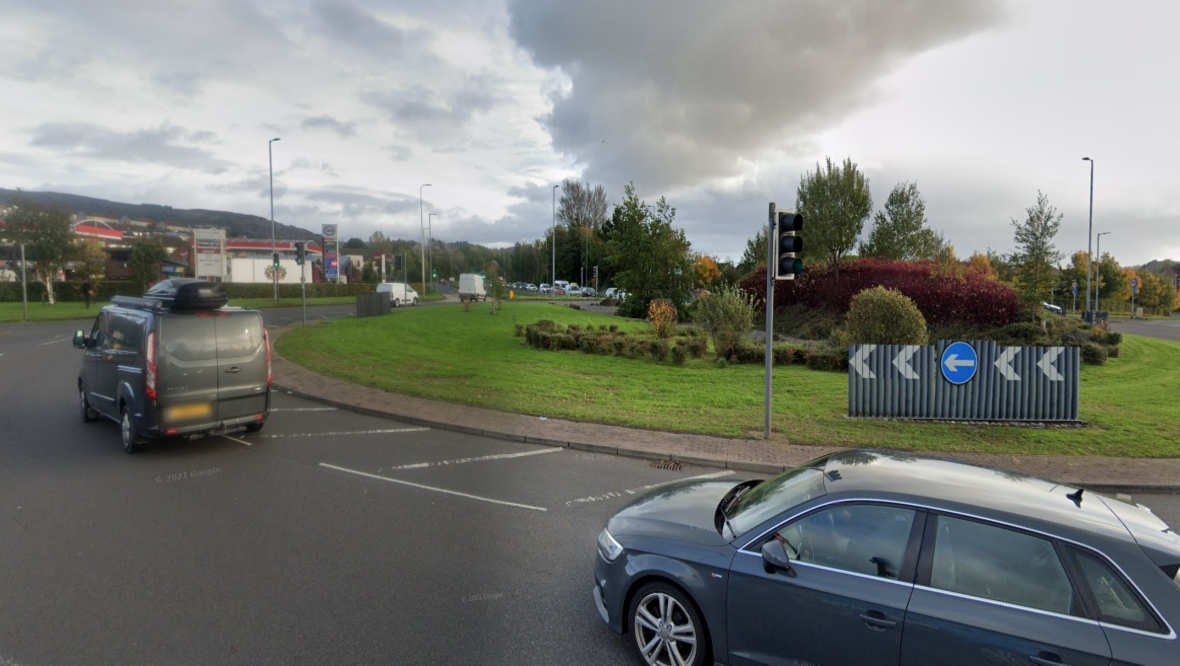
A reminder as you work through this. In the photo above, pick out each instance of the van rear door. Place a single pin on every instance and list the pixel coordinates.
(187, 369)
(241, 365)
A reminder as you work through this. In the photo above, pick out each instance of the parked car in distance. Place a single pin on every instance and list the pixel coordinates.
(1055, 309)
(471, 287)
(530, 287)
(558, 291)
(573, 290)
(561, 284)
(589, 291)
(546, 289)
(400, 293)
(175, 363)
(611, 291)
(835, 561)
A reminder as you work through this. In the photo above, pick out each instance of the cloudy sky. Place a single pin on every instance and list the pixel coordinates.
(717, 106)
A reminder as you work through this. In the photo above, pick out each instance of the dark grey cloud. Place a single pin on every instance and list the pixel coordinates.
(361, 30)
(355, 203)
(344, 129)
(435, 116)
(164, 145)
(676, 96)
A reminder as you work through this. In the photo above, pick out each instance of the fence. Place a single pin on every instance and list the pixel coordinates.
(973, 381)
(372, 305)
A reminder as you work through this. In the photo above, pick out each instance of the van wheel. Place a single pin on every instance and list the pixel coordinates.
(395, 302)
(132, 443)
(88, 413)
(415, 301)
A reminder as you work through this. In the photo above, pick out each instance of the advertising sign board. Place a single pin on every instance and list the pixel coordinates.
(331, 253)
(209, 248)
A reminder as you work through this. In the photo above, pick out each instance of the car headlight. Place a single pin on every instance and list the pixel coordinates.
(608, 547)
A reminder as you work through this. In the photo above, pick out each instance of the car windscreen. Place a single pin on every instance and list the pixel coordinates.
(779, 494)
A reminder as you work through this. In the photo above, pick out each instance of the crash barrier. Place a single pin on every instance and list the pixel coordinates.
(372, 305)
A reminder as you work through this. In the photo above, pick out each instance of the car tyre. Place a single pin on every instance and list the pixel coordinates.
(132, 442)
(88, 413)
(415, 302)
(395, 302)
(662, 619)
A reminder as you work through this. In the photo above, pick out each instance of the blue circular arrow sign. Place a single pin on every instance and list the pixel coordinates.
(959, 362)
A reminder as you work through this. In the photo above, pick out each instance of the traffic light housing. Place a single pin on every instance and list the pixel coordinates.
(787, 246)
(300, 252)
(276, 260)
(397, 262)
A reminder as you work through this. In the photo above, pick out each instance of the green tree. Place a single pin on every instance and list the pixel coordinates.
(650, 256)
(1035, 252)
(90, 260)
(900, 231)
(144, 260)
(756, 251)
(1111, 280)
(582, 210)
(355, 244)
(48, 238)
(835, 202)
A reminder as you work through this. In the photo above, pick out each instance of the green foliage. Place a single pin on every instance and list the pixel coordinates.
(1094, 354)
(835, 202)
(756, 252)
(900, 232)
(827, 358)
(145, 258)
(883, 316)
(727, 315)
(1035, 252)
(48, 237)
(680, 352)
(659, 349)
(651, 258)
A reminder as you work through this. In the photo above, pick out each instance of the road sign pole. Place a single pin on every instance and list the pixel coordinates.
(769, 313)
(303, 288)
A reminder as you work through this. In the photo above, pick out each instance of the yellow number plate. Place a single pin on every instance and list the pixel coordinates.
(183, 412)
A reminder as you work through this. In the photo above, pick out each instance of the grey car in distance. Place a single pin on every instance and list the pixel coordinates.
(873, 557)
(176, 363)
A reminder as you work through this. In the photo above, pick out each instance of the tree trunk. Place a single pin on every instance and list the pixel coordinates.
(47, 279)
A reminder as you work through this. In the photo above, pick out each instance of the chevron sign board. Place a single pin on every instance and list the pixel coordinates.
(947, 381)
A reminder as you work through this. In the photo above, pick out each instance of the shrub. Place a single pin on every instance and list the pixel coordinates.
(697, 347)
(519, 332)
(661, 314)
(1020, 333)
(726, 314)
(659, 349)
(614, 328)
(679, 354)
(1113, 339)
(1093, 353)
(1112, 351)
(883, 316)
(782, 354)
(619, 344)
(828, 358)
(747, 351)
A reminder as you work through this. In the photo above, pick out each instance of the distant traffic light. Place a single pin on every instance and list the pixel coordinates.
(276, 260)
(787, 246)
(398, 262)
(300, 252)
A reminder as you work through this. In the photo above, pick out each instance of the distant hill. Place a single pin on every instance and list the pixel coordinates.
(1157, 266)
(236, 224)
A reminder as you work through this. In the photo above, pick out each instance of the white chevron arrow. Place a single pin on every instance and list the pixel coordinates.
(1004, 363)
(857, 362)
(902, 361)
(1046, 364)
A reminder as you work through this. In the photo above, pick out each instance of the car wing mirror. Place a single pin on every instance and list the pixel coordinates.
(80, 339)
(774, 557)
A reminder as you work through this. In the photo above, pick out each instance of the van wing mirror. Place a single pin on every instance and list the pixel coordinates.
(774, 557)
(80, 339)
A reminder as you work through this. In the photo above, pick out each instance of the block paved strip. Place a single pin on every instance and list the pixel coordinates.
(1107, 474)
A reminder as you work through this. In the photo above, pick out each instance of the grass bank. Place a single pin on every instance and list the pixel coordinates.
(473, 358)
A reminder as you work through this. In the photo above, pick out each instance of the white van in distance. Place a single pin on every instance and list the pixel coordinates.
(471, 287)
(399, 293)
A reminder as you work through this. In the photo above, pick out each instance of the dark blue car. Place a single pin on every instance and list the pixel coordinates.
(872, 557)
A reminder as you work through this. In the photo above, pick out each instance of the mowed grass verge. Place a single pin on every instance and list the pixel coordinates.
(473, 358)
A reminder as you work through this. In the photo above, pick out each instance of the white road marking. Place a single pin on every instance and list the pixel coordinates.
(350, 432)
(438, 490)
(460, 461)
(303, 409)
(613, 494)
(51, 342)
(235, 439)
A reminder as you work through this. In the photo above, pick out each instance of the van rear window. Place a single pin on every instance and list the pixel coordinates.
(239, 335)
(189, 338)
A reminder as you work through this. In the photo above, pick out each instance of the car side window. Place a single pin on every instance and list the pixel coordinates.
(1117, 604)
(868, 539)
(1000, 564)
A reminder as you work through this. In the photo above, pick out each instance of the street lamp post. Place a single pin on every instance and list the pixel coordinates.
(273, 245)
(422, 231)
(1098, 274)
(430, 237)
(1090, 240)
(553, 275)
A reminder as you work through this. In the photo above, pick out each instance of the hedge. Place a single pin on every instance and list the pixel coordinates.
(971, 298)
(105, 289)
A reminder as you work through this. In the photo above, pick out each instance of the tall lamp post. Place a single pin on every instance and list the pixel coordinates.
(553, 276)
(430, 237)
(273, 245)
(1090, 240)
(422, 230)
(1098, 274)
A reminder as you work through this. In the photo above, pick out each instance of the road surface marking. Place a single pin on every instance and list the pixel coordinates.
(460, 461)
(303, 409)
(438, 490)
(349, 432)
(613, 494)
(51, 342)
(235, 439)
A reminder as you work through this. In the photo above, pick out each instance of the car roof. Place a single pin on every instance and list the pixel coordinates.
(989, 492)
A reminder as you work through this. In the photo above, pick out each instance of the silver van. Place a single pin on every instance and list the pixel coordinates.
(175, 363)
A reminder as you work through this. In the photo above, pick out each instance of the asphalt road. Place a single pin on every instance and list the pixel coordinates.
(1164, 329)
(330, 537)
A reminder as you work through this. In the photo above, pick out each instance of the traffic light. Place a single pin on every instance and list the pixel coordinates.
(433, 275)
(787, 246)
(397, 262)
(300, 252)
(276, 260)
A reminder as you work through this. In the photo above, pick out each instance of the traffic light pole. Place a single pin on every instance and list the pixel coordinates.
(770, 259)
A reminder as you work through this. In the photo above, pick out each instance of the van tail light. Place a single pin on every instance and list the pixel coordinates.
(149, 375)
(266, 337)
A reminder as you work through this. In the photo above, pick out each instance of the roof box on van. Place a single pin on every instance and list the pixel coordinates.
(188, 294)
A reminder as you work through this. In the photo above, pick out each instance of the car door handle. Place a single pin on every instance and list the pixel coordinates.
(1046, 659)
(877, 620)
(234, 370)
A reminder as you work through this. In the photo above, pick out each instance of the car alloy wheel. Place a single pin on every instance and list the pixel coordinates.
(131, 442)
(665, 631)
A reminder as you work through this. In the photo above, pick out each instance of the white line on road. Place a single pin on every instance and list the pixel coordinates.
(439, 490)
(632, 491)
(235, 439)
(51, 342)
(460, 461)
(349, 432)
(303, 409)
